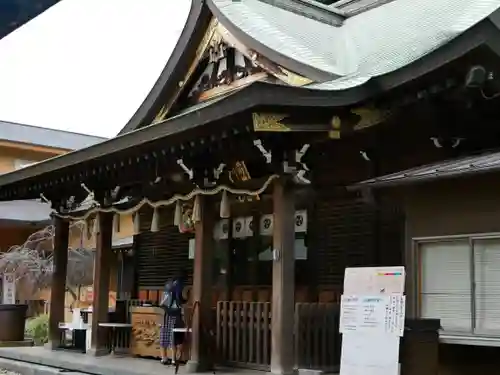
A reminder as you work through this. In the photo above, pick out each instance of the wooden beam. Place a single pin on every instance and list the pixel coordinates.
(283, 289)
(102, 267)
(202, 288)
(58, 287)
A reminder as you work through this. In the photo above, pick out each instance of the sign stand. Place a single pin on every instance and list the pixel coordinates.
(372, 320)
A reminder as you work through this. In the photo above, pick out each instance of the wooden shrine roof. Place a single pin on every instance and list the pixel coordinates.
(331, 48)
(185, 124)
(454, 168)
(18, 184)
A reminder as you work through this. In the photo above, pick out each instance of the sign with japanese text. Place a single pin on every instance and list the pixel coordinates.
(8, 289)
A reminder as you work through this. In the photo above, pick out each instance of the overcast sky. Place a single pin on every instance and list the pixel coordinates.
(86, 65)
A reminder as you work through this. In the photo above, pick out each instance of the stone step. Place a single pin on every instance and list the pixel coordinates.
(27, 368)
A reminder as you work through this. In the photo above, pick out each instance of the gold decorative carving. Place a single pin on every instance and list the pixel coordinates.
(233, 86)
(369, 117)
(146, 332)
(269, 122)
(239, 173)
(146, 323)
(200, 52)
(281, 73)
(293, 79)
(336, 124)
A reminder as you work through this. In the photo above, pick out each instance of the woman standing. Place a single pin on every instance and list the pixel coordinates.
(172, 304)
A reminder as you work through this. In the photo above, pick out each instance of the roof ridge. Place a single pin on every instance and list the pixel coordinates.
(50, 129)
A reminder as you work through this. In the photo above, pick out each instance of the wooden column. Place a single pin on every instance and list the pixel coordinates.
(58, 287)
(283, 296)
(102, 262)
(202, 289)
(254, 253)
(224, 281)
(230, 262)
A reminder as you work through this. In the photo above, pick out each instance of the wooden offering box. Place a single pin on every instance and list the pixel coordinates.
(146, 323)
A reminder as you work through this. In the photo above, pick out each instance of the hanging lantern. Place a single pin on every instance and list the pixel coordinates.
(178, 214)
(96, 228)
(116, 223)
(225, 207)
(155, 221)
(196, 209)
(137, 223)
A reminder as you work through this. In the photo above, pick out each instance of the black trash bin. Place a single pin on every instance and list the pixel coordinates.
(419, 354)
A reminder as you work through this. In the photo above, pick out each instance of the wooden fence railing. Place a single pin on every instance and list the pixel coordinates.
(243, 334)
(317, 340)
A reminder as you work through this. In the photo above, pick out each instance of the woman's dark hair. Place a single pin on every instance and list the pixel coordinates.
(183, 276)
(168, 286)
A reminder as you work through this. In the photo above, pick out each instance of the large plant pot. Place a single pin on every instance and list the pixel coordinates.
(12, 322)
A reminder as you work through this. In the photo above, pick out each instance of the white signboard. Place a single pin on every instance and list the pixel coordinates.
(8, 289)
(369, 354)
(370, 281)
(372, 320)
(373, 314)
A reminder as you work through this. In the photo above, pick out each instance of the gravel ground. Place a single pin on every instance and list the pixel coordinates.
(6, 372)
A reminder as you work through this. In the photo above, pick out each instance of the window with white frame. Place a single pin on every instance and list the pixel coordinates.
(459, 283)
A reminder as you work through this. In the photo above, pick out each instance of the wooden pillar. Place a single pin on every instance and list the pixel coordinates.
(255, 245)
(102, 263)
(230, 262)
(202, 289)
(283, 295)
(313, 258)
(225, 280)
(58, 287)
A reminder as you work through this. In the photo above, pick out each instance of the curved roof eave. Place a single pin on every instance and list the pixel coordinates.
(369, 45)
(174, 70)
(485, 33)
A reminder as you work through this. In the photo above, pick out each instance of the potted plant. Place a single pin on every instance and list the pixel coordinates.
(31, 265)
